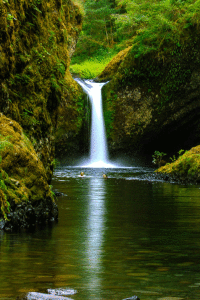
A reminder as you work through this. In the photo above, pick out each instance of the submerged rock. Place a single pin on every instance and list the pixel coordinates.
(62, 292)
(132, 298)
(51, 294)
(41, 296)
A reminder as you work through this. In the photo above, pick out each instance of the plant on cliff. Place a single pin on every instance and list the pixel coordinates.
(158, 158)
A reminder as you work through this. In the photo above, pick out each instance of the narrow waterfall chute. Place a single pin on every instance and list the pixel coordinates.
(98, 143)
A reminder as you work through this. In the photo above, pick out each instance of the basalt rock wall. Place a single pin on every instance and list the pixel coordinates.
(37, 97)
(153, 101)
(37, 39)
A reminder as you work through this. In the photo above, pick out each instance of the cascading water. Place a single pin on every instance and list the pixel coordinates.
(98, 143)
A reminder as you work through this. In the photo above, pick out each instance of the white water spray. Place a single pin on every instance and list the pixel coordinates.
(98, 143)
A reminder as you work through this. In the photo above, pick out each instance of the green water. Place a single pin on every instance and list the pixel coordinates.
(117, 237)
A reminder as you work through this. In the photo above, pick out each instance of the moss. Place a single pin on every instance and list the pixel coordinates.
(111, 69)
(186, 167)
(72, 118)
(37, 41)
(23, 176)
(153, 96)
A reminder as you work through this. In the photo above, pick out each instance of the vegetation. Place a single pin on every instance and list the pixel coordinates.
(4, 204)
(146, 26)
(37, 40)
(185, 168)
(91, 67)
(97, 36)
(158, 158)
(22, 175)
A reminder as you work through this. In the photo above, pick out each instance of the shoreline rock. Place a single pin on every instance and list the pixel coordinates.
(185, 170)
(25, 195)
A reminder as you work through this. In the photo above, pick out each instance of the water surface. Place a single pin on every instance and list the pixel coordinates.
(126, 235)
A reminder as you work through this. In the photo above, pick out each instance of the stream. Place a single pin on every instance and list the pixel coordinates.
(129, 234)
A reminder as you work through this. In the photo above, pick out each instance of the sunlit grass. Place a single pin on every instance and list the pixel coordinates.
(90, 68)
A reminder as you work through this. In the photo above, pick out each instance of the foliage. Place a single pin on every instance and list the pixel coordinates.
(145, 25)
(174, 158)
(150, 25)
(98, 28)
(5, 205)
(158, 157)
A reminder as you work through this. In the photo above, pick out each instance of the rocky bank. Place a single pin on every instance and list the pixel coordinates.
(185, 169)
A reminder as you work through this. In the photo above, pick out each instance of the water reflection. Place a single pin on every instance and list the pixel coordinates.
(95, 230)
(115, 237)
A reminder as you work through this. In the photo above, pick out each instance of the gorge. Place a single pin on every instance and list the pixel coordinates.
(129, 232)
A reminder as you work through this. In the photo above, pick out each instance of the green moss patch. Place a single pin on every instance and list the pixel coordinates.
(37, 41)
(112, 67)
(186, 167)
(23, 177)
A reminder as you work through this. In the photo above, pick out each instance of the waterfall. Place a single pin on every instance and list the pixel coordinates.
(98, 142)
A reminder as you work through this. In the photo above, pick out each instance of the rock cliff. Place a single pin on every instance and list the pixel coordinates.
(153, 101)
(37, 39)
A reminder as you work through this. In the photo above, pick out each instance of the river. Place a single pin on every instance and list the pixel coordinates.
(126, 235)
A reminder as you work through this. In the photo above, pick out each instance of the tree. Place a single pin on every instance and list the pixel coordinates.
(98, 28)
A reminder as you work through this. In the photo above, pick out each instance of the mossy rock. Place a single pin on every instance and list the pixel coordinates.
(111, 68)
(153, 99)
(186, 168)
(23, 181)
(72, 124)
(38, 39)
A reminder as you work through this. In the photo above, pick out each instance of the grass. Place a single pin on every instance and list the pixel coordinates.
(90, 68)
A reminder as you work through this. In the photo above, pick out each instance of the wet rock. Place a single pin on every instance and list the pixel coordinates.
(132, 298)
(51, 294)
(62, 292)
(57, 193)
(41, 296)
(2, 224)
